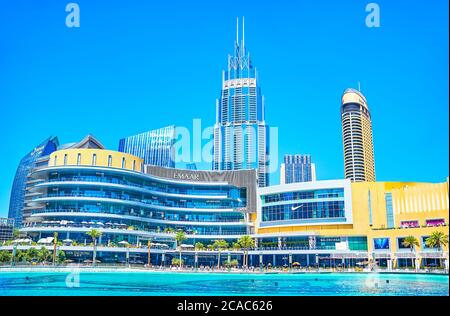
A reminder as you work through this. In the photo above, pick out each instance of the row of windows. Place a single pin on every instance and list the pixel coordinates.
(385, 243)
(94, 161)
(300, 195)
(311, 210)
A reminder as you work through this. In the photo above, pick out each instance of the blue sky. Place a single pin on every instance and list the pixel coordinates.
(133, 66)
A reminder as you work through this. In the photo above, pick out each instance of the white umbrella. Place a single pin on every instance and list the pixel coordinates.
(67, 240)
(124, 242)
(100, 223)
(187, 246)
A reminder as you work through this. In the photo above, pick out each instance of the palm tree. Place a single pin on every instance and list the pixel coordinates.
(219, 245)
(411, 242)
(5, 256)
(437, 239)
(199, 246)
(32, 253)
(16, 233)
(55, 241)
(94, 234)
(237, 246)
(246, 242)
(44, 254)
(180, 237)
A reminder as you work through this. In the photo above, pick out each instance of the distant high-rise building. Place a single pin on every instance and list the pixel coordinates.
(297, 168)
(241, 136)
(156, 147)
(191, 166)
(6, 229)
(359, 162)
(34, 158)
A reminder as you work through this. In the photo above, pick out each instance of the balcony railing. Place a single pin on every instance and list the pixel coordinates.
(124, 230)
(141, 186)
(122, 213)
(122, 197)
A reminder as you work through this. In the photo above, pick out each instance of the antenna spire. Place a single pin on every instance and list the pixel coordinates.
(243, 34)
(359, 86)
(237, 31)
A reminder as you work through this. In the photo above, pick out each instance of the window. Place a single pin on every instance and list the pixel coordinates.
(380, 243)
(94, 159)
(424, 242)
(389, 211)
(78, 159)
(123, 163)
(56, 159)
(109, 161)
(400, 243)
(65, 159)
(430, 222)
(134, 165)
(409, 224)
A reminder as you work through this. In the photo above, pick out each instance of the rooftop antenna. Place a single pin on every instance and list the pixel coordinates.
(243, 34)
(359, 86)
(237, 31)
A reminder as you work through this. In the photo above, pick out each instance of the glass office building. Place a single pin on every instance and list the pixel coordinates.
(297, 168)
(6, 229)
(30, 161)
(156, 147)
(241, 135)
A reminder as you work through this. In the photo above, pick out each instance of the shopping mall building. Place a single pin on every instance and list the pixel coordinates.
(324, 223)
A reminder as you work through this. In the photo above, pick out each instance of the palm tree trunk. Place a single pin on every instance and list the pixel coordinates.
(148, 259)
(54, 253)
(94, 255)
(180, 257)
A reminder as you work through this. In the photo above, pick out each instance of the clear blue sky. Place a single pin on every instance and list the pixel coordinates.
(133, 66)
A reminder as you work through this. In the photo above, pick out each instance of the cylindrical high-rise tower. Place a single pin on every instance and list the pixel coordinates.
(359, 162)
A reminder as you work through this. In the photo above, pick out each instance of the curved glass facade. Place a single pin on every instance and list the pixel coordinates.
(132, 206)
(18, 191)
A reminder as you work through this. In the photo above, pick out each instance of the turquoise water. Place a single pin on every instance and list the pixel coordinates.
(201, 284)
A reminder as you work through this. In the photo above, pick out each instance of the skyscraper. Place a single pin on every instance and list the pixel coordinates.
(34, 158)
(156, 147)
(241, 136)
(297, 168)
(359, 162)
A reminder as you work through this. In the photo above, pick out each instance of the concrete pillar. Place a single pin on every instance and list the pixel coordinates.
(260, 259)
(389, 264)
(274, 260)
(163, 259)
(307, 260)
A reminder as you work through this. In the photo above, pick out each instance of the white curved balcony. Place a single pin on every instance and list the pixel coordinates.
(139, 233)
(127, 202)
(141, 219)
(47, 184)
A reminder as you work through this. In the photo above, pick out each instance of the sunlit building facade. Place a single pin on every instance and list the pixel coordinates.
(359, 161)
(156, 147)
(241, 135)
(34, 158)
(140, 208)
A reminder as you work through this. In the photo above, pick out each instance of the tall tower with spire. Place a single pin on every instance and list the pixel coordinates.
(241, 136)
